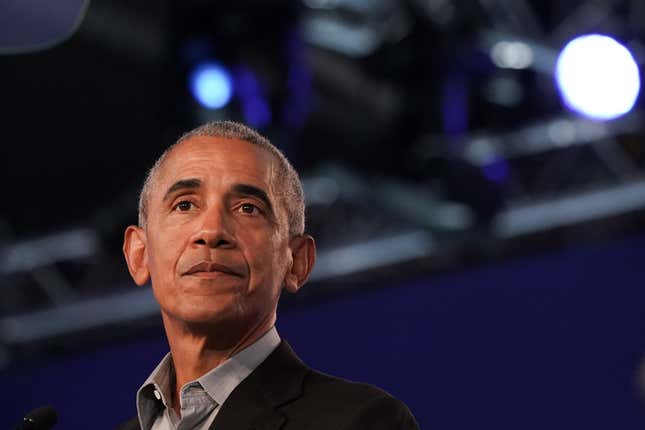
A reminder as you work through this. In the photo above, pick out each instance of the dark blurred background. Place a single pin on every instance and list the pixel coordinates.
(476, 190)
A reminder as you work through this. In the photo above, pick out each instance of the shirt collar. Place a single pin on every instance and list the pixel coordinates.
(154, 394)
(219, 382)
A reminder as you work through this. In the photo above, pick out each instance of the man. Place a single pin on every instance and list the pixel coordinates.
(220, 234)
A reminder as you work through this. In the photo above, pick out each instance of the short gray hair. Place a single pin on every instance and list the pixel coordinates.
(290, 187)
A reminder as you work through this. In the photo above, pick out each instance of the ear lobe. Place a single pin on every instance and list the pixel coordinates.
(134, 250)
(303, 250)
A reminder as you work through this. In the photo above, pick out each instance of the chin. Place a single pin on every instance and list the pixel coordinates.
(202, 310)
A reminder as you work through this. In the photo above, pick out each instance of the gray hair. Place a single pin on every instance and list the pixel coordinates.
(290, 187)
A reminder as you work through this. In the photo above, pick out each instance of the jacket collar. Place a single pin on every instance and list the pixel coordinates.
(255, 403)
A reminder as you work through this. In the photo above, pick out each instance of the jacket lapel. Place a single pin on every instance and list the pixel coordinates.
(131, 424)
(254, 404)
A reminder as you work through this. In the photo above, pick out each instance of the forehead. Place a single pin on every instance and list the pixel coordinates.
(220, 158)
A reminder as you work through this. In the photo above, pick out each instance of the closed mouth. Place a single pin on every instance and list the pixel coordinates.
(209, 267)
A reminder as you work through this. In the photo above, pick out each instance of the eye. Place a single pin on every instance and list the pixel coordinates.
(248, 208)
(184, 206)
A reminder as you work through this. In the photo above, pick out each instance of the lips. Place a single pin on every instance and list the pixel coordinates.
(211, 267)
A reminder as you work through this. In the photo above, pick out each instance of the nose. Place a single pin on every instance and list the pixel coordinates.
(213, 230)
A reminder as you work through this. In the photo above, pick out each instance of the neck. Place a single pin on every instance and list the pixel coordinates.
(197, 349)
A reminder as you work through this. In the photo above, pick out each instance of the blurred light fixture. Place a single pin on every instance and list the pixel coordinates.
(34, 25)
(597, 77)
(512, 55)
(442, 12)
(211, 85)
(562, 133)
(355, 28)
(496, 170)
(254, 104)
(504, 91)
(321, 4)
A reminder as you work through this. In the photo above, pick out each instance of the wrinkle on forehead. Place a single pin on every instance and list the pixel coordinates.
(276, 189)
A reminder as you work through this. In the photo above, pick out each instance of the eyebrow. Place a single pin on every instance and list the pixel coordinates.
(182, 184)
(239, 189)
(251, 190)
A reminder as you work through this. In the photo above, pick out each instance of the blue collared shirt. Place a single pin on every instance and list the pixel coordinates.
(202, 398)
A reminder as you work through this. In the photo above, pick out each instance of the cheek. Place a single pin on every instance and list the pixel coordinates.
(267, 261)
(276, 250)
(280, 259)
(163, 255)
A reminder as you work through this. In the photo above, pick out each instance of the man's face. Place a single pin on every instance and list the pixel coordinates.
(216, 238)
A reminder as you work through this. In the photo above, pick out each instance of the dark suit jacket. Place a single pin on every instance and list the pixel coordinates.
(284, 393)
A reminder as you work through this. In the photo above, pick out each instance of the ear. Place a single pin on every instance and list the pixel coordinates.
(303, 250)
(134, 249)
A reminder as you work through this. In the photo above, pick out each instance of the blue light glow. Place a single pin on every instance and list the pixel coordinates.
(597, 77)
(211, 85)
(496, 170)
(255, 106)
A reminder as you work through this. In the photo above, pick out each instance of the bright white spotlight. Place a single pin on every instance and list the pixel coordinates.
(512, 55)
(211, 85)
(597, 77)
